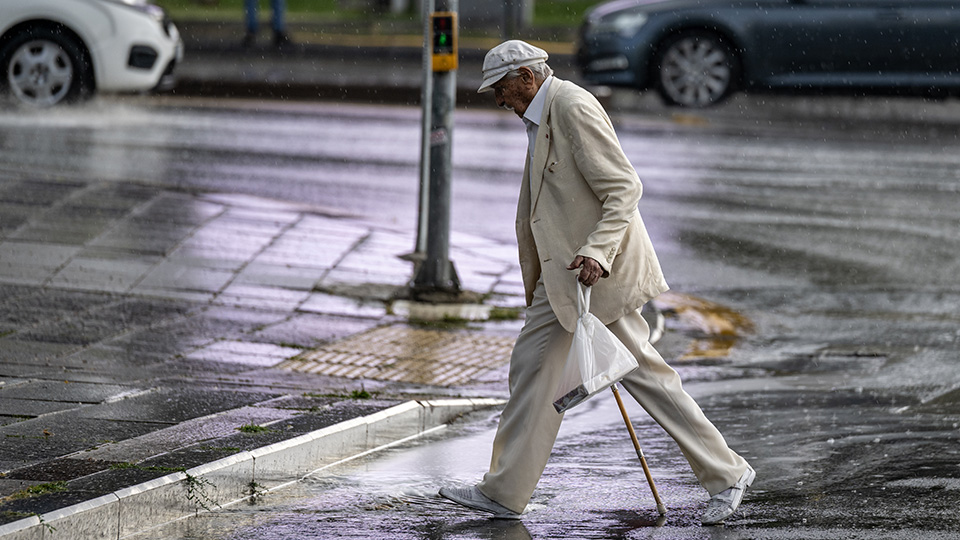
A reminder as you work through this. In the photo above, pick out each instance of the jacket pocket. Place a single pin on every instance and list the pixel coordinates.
(556, 167)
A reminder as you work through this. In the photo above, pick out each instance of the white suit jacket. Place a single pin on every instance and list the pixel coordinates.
(582, 200)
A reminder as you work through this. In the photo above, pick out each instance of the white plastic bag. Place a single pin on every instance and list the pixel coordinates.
(597, 359)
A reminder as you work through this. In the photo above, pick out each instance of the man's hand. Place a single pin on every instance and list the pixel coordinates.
(590, 270)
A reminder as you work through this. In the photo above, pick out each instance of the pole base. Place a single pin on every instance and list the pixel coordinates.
(437, 280)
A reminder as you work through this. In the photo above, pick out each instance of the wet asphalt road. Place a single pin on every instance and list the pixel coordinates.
(830, 228)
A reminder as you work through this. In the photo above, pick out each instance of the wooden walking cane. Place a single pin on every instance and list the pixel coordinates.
(636, 444)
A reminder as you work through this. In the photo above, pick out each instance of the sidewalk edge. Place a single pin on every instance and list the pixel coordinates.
(241, 476)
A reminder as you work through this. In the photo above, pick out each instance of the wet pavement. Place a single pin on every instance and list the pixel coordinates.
(594, 488)
(139, 326)
(811, 246)
(813, 315)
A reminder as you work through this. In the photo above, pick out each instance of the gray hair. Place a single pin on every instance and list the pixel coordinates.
(540, 72)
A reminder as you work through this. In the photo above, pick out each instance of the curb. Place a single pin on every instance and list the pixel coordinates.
(239, 477)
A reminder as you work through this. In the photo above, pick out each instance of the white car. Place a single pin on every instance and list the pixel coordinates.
(54, 51)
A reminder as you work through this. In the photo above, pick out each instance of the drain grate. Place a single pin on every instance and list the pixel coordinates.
(401, 353)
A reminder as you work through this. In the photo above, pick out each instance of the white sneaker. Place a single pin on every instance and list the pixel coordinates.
(724, 504)
(471, 497)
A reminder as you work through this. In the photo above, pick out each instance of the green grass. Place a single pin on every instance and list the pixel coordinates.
(207, 6)
(545, 12)
(505, 313)
(37, 490)
(354, 394)
(560, 12)
(122, 466)
(448, 322)
(360, 394)
(297, 10)
(253, 428)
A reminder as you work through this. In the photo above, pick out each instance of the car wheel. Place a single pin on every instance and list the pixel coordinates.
(695, 69)
(43, 67)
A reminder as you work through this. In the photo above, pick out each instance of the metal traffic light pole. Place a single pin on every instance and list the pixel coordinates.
(436, 274)
(426, 98)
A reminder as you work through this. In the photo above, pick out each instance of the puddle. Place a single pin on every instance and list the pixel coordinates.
(717, 328)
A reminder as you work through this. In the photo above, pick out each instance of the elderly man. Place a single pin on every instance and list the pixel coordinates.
(578, 212)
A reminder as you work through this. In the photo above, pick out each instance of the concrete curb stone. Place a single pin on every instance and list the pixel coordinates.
(227, 481)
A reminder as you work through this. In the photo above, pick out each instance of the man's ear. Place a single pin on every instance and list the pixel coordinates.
(527, 75)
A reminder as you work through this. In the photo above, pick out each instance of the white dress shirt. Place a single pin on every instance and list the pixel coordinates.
(531, 118)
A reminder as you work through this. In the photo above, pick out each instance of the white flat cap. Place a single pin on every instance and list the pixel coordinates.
(507, 57)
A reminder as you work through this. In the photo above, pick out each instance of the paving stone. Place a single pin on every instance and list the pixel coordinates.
(261, 298)
(195, 370)
(10, 486)
(243, 352)
(338, 305)
(39, 192)
(64, 229)
(176, 208)
(281, 216)
(58, 470)
(11, 372)
(173, 405)
(117, 476)
(63, 391)
(197, 329)
(30, 407)
(11, 292)
(33, 352)
(364, 276)
(280, 276)
(309, 330)
(100, 324)
(49, 305)
(144, 237)
(12, 510)
(44, 257)
(49, 233)
(114, 198)
(175, 275)
(174, 294)
(34, 441)
(13, 216)
(303, 402)
(114, 356)
(336, 413)
(201, 431)
(101, 275)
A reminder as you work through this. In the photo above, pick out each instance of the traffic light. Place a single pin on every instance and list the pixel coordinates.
(444, 40)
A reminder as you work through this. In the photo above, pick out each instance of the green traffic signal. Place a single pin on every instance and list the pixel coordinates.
(443, 34)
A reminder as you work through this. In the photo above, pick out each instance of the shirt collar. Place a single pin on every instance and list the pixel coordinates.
(535, 110)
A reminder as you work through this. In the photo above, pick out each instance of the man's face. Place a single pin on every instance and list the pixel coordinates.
(515, 94)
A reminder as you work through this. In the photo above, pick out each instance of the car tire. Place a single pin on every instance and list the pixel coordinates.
(695, 69)
(43, 67)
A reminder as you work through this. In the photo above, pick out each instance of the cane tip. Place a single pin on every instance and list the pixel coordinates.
(662, 509)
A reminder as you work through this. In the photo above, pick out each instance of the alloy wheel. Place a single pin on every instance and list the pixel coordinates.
(696, 71)
(40, 73)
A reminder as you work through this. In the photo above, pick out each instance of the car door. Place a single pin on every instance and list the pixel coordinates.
(828, 42)
(929, 31)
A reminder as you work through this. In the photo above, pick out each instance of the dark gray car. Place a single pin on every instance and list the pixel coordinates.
(696, 52)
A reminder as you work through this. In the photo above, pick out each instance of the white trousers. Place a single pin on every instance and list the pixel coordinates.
(529, 423)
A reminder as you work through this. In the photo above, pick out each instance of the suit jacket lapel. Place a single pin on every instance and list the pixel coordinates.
(542, 146)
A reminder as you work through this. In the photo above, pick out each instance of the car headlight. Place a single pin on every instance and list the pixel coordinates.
(142, 6)
(625, 23)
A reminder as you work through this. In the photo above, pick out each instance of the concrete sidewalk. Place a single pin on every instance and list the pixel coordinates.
(179, 351)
